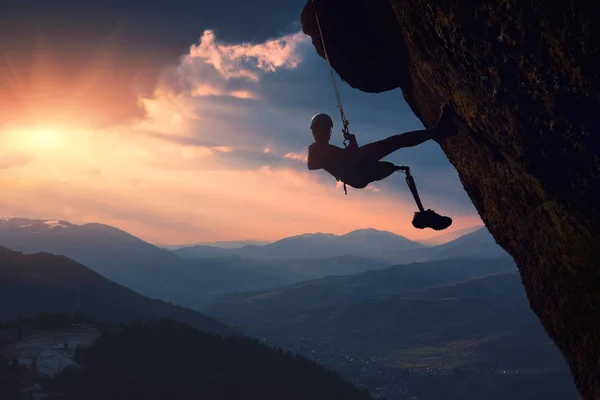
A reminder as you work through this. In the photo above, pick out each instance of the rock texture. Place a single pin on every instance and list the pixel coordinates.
(523, 79)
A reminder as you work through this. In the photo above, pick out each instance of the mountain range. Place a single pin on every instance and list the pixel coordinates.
(193, 276)
(370, 286)
(134, 263)
(460, 302)
(461, 308)
(224, 244)
(366, 243)
(447, 237)
(41, 282)
(166, 350)
(369, 243)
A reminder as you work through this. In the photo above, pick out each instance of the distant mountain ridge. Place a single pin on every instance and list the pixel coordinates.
(373, 285)
(42, 282)
(366, 243)
(160, 273)
(224, 244)
(134, 263)
(193, 276)
(448, 237)
(477, 244)
(372, 244)
(468, 308)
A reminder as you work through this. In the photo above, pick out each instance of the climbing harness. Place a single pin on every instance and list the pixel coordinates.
(423, 218)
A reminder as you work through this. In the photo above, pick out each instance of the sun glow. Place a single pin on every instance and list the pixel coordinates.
(184, 164)
(45, 137)
(35, 139)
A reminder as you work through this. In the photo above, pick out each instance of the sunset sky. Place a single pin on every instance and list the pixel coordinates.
(181, 122)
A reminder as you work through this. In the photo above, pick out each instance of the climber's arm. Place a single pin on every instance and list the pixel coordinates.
(313, 160)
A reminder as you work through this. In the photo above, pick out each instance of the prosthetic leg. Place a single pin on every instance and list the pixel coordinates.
(424, 219)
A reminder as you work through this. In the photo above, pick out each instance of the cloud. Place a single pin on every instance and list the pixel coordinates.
(13, 160)
(297, 156)
(99, 72)
(373, 188)
(231, 61)
(204, 90)
(212, 68)
(214, 96)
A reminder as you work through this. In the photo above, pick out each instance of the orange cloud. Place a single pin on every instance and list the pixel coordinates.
(223, 149)
(296, 156)
(207, 90)
(209, 67)
(243, 94)
(229, 60)
(373, 188)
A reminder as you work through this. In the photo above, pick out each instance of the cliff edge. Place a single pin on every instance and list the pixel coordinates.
(523, 77)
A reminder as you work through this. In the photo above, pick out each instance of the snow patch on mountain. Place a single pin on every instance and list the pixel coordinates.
(55, 224)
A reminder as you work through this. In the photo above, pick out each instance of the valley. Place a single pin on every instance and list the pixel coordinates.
(451, 320)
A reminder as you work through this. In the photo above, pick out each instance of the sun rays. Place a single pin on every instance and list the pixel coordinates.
(205, 155)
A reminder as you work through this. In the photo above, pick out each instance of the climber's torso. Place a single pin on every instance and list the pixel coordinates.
(335, 160)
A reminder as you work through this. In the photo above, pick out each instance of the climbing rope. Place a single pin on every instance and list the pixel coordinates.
(345, 122)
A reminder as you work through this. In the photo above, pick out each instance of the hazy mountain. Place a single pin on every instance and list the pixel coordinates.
(418, 317)
(101, 247)
(462, 308)
(365, 287)
(200, 251)
(300, 270)
(372, 244)
(231, 244)
(129, 261)
(42, 282)
(191, 281)
(478, 244)
(367, 243)
(448, 237)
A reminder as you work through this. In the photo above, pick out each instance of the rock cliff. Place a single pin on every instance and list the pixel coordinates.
(523, 77)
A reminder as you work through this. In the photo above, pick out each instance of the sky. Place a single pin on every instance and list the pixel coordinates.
(185, 122)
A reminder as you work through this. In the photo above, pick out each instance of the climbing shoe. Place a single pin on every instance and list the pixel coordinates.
(430, 219)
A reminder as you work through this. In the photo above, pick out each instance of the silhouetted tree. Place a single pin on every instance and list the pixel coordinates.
(459, 372)
(167, 359)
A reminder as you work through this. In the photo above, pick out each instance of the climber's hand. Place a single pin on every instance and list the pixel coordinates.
(351, 138)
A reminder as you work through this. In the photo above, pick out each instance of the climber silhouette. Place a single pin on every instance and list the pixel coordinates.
(358, 166)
